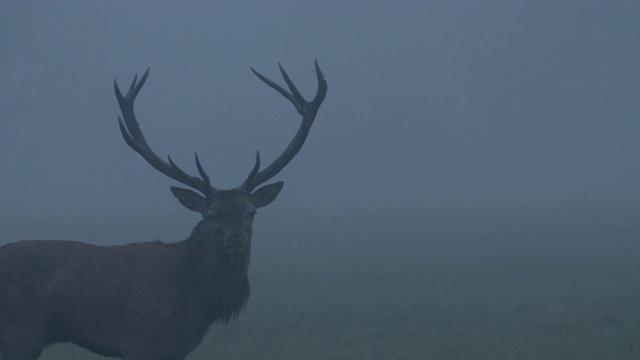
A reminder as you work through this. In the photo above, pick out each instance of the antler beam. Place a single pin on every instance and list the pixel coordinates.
(135, 139)
(308, 110)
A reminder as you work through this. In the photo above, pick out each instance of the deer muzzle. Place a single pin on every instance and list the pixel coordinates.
(236, 242)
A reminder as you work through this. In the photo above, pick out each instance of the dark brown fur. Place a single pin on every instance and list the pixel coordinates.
(138, 301)
(146, 301)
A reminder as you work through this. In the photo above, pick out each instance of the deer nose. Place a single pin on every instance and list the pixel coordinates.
(237, 240)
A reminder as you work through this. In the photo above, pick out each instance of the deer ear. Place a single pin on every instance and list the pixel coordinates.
(266, 194)
(190, 199)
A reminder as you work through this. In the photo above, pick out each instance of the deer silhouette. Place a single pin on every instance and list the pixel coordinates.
(151, 300)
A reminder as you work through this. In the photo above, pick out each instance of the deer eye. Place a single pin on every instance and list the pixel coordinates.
(213, 218)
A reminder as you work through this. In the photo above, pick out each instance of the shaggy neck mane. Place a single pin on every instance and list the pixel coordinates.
(219, 278)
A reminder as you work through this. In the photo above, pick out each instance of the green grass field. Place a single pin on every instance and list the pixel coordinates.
(560, 281)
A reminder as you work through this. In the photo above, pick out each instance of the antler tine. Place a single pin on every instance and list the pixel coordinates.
(203, 174)
(246, 185)
(321, 93)
(278, 88)
(308, 110)
(133, 136)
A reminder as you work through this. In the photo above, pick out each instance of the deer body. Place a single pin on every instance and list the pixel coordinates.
(150, 298)
(143, 301)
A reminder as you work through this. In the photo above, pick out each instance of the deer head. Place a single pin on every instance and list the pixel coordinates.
(229, 213)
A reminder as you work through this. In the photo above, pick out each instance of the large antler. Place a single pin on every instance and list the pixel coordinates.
(133, 136)
(307, 109)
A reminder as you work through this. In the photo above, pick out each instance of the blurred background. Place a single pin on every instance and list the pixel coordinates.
(470, 188)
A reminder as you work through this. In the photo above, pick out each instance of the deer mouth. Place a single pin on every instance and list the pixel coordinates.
(235, 249)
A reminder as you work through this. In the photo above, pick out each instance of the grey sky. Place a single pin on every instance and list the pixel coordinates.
(436, 103)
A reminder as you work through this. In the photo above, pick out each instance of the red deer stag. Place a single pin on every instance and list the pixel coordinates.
(144, 301)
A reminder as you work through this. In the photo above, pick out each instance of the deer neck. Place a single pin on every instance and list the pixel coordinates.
(218, 280)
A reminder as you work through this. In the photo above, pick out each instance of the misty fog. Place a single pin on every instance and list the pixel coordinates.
(470, 188)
